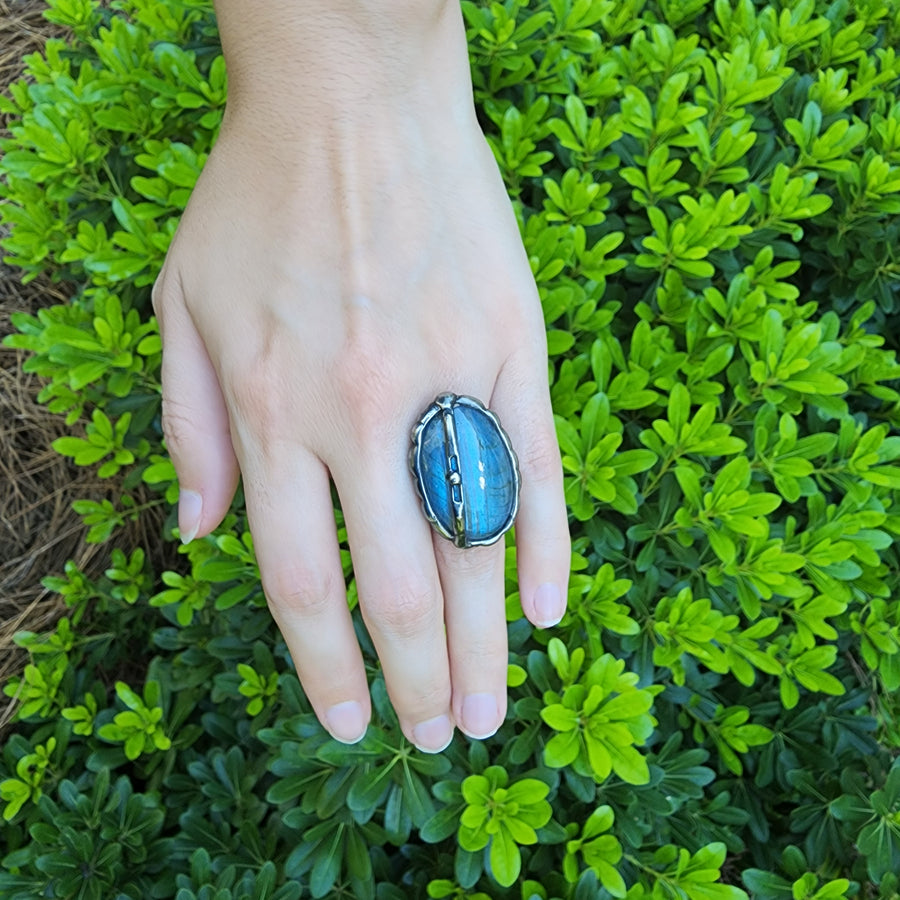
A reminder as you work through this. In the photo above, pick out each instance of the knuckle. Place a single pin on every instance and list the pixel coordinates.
(177, 424)
(430, 699)
(293, 591)
(488, 658)
(367, 379)
(473, 564)
(259, 393)
(539, 458)
(405, 611)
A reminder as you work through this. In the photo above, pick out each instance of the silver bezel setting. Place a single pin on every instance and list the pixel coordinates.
(443, 406)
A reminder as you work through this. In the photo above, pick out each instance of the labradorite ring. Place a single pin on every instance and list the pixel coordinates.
(465, 470)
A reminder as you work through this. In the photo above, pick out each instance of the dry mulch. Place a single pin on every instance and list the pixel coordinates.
(35, 521)
(23, 29)
(39, 532)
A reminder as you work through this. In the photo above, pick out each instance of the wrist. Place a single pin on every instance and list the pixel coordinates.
(303, 61)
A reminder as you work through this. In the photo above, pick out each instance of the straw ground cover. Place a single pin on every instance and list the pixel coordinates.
(38, 529)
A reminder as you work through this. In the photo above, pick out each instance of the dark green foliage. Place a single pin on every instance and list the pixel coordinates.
(709, 197)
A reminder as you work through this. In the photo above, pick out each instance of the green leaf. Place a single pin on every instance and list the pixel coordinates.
(560, 718)
(527, 791)
(506, 861)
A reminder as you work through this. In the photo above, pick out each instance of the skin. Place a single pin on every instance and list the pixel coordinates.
(350, 252)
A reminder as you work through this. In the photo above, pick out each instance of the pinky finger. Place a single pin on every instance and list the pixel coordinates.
(544, 549)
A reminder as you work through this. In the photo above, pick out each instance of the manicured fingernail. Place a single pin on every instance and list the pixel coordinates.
(190, 509)
(433, 735)
(549, 607)
(480, 715)
(346, 722)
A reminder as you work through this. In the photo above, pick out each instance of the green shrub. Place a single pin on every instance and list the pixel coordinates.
(708, 193)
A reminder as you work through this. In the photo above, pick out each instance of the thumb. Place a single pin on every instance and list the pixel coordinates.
(194, 418)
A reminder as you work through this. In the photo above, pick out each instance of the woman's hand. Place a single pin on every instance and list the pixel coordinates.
(349, 253)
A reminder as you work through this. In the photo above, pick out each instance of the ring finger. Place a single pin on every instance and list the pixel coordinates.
(472, 581)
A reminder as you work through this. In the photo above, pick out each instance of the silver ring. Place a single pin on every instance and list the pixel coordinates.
(465, 471)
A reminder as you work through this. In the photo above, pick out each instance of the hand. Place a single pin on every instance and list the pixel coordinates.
(339, 265)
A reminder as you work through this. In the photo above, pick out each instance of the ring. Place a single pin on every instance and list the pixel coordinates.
(465, 470)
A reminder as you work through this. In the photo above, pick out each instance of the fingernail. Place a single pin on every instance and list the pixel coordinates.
(480, 715)
(549, 607)
(433, 735)
(346, 722)
(190, 509)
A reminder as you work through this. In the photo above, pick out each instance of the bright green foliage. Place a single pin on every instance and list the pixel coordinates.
(261, 689)
(37, 689)
(598, 471)
(129, 575)
(82, 716)
(30, 771)
(88, 356)
(676, 872)
(103, 438)
(709, 196)
(602, 852)
(443, 887)
(501, 815)
(185, 594)
(138, 727)
(600, 717)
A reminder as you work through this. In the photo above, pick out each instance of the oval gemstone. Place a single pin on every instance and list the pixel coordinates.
(465, 470)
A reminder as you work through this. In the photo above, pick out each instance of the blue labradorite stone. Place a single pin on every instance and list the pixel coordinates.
(469, 462)
(487, 473)
(433, 483)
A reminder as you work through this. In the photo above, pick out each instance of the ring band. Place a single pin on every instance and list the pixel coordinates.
(465, 471)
